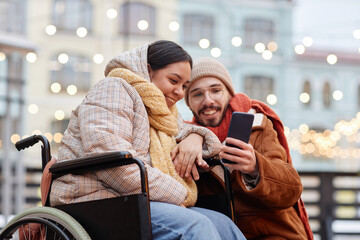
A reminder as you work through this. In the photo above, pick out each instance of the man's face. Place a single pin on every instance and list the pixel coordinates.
(208, 100)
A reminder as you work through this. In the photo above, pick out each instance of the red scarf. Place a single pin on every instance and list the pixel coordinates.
(242, 103)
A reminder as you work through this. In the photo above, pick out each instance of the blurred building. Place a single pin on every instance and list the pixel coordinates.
(53, 51)
(15, 46)
(315, 92)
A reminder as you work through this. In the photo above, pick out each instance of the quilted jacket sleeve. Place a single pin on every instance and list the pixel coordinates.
(211, 145)
(113, 118)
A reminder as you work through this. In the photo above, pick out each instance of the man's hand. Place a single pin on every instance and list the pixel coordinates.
(244, 159)
(187, 154)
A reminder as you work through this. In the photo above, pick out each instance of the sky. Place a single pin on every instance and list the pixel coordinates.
(329, 22)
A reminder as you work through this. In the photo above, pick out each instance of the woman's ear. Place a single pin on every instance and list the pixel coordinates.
(149, 69)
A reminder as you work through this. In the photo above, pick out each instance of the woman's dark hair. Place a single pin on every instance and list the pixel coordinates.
(163, 52)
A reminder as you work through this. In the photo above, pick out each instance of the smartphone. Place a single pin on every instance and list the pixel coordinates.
(240, 128)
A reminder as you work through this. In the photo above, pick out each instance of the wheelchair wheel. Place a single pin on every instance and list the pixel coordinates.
(43, 223)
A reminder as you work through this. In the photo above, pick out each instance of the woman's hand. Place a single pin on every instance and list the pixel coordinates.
(244, 158)
(187, 154)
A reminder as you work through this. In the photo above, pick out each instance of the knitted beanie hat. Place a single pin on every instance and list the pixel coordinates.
(209, 67)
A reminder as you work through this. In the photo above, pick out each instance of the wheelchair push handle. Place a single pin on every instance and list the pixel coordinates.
(26, 142)
(31, 141)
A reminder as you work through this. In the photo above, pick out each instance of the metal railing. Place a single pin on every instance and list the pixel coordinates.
(332, 200)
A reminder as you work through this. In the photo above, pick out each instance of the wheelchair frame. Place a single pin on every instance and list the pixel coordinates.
(108, 211)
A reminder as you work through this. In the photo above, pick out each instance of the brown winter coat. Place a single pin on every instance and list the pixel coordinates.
(266, 211)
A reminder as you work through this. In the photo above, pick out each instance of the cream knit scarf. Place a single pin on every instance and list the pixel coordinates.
(163, 128)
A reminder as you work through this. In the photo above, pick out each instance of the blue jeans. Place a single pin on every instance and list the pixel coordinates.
(169, 221)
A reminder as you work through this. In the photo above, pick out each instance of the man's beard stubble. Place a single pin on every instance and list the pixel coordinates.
(211, 123)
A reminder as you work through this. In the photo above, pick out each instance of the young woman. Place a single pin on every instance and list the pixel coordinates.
(133, 109)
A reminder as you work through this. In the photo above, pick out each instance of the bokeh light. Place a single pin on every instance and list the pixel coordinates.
(63, 58)
(71, 89)
(215, 52)
(259, 47)
(174, 26)
(143, 25)
(204, 43)
(31, 57)
(111, 13)
(331, 59)
(2, 56)
(271, 99)
(299, 49)
(33, 108)
(236, 41)
(50, 30)
(81, 32)
(304, 97)
(98, 58)
(59, 114)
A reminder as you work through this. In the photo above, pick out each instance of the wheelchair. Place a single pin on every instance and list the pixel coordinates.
(124, 217)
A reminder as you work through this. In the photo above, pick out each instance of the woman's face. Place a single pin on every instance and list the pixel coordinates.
(172, 80)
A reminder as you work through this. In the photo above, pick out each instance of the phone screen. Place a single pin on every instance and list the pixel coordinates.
(240, 128)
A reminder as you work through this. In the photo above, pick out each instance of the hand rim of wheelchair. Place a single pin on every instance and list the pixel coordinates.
(42, 215)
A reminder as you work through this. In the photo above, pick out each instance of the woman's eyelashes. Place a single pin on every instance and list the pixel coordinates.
(173, 81)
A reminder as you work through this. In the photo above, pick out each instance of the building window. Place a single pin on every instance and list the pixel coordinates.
(358, 96)
(12, 16)
(307, 92)
(258, 87)
(3, 87)
(76, 72)
(68, 15)
(198, 26)
(327, 94)
(258, 30)
(132, 13)
(11, 94)
(59, 126)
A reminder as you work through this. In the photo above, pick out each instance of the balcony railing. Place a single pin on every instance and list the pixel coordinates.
(332, 200)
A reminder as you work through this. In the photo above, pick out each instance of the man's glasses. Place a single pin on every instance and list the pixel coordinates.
(215, 93)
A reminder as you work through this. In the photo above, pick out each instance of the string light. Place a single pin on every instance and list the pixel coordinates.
(111, 13)
(31, 57)
(143, 25)
(267, 54)
(271, 99)
(204, 43)
(50, 30)
(331, 59)
(307, 41)
(236, 41)
(2, 56)
(174, 26)
(63, 58)
(59, 114)
(299, 49)
(55, 87)
(304, 97)
(98, 58)
(81, 32)
(259, 47)
(71, 89)
(325, 144)
(215, 52)
(337, 95)
(33, 108)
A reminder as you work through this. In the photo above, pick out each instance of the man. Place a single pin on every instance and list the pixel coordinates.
(266, 187)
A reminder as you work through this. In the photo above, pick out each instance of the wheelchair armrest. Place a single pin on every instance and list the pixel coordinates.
(216, 161)
(213, 161)
(98, 162)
